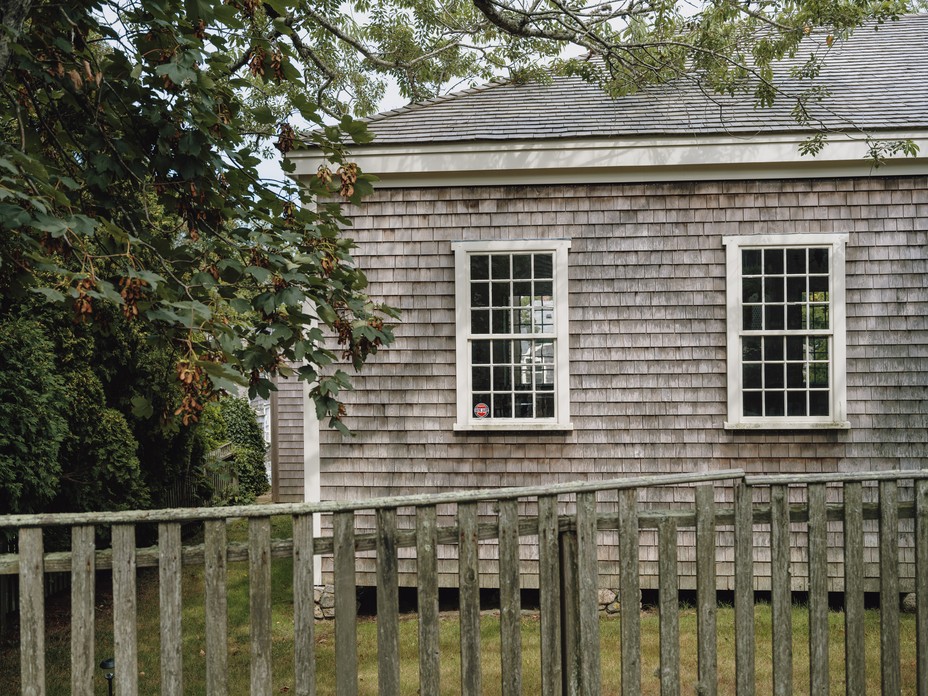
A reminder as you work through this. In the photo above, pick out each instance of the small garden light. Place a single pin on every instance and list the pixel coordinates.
(108, 664)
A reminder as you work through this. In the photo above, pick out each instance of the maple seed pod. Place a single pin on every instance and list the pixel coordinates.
(256, 62)
(277, 64)
(348, 173)
(286, 138)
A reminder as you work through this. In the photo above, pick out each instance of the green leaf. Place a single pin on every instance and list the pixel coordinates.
(262, 275)
(50, 294)
(82, 224)
(230, 269)
(291, 297)
(13, 216)
(326, 314)
(196, 309)
(263, 115)
(141, 407)
(281, 7)
(105, 290)
(223, 376)
(55, 226)
(159, 313)
(240, 305)
(178, 74)
(265, 302)
(153, 279)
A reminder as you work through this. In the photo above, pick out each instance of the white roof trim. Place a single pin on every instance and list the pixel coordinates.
(564, 161)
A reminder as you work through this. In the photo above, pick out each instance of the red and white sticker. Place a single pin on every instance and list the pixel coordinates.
(481, 410)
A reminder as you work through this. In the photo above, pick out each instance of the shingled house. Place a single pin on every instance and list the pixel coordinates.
(658, 283)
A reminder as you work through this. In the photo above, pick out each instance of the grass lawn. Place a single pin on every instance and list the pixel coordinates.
(58, 643)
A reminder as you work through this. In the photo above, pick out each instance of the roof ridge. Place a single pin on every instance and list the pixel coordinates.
(887, 60)
(451, 96)
(496, 81)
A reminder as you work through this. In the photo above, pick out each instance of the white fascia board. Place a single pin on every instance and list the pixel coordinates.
(566, 161)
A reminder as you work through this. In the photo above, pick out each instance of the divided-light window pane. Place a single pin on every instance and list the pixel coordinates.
(511, 297)
(785, 366)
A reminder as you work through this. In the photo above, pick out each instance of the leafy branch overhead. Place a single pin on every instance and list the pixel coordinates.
(133, 131)
(128, 176)
(428, 47)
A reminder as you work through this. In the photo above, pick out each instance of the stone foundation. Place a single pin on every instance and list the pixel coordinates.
(609, 603)
(324, 596)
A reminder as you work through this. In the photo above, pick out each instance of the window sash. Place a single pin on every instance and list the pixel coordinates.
(770, 390)
(493, 390)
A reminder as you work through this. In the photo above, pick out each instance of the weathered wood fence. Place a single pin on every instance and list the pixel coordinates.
(222, 483)
(567, 520)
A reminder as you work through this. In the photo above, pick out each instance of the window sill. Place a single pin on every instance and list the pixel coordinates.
(788, 425)
(513, 427)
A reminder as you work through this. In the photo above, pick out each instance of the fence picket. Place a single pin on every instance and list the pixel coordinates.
(818, 591)
(259, 598)
(706, 591)
(31, 612)
(780, 595)
(388, 620)
(854, 646)
(169, 588)
(346, 645)
(217, 653)
(889, 589)
(567, 548)
(427, 578)
(304, 607)
(549, 578)
(588, 589)
(83, 667)
(921, 586)
(744, 590)
(510, 615)
(125, 632)
(569, 614)
(469, 584)
(629, 591)
(669, 607)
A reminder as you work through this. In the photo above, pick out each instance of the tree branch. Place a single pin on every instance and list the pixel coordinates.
(516, 23)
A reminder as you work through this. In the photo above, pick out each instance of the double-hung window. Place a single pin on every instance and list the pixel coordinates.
(786, 331)
(512, 350)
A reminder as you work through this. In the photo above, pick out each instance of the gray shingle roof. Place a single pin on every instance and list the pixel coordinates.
(878, 80)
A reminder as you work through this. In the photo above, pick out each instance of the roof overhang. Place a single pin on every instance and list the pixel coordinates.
(616, 160)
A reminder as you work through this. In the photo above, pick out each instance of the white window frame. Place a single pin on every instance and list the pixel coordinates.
(466, 420)
(837, 311)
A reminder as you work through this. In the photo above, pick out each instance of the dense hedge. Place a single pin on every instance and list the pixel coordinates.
(233, 421)
(245, 434)
(70, 436)
(32, 417)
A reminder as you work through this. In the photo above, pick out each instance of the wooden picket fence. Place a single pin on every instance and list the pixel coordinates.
(566, 520)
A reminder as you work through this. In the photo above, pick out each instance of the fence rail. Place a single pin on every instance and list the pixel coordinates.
(566, 523)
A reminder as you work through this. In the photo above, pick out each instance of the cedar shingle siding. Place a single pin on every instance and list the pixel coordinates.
(287, 441)
(647, 339)
(647, 280)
